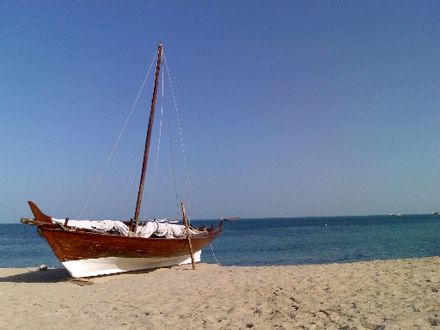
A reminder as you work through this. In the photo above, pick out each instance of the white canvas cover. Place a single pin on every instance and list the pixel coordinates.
(160, 229)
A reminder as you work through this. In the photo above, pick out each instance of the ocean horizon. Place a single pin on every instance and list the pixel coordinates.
(274, 241)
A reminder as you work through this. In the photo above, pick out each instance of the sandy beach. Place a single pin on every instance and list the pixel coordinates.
(395, 294)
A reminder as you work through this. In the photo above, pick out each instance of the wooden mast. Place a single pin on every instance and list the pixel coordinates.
(148, 139)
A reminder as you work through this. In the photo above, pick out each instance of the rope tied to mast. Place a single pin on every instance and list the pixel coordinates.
(182, 144)
(116, 144)
(93, 191)
(156, 159)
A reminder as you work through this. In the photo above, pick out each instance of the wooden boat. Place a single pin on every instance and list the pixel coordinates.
(85, 252)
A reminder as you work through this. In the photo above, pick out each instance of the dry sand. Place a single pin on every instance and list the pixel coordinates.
(396, 294)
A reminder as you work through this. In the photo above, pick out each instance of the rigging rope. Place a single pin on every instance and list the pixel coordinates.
(130, 197)
(156, 160)
(187, 185)
(93, 190)
(215, 257)
(173, 165)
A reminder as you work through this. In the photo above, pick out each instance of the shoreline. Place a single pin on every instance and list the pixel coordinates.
(382, 294)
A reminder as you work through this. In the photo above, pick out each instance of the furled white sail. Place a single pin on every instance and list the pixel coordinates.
(159, 229)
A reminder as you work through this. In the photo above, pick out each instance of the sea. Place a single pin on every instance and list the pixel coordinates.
(274, 241)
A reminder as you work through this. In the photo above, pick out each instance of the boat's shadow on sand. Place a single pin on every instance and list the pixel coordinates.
(47, 276)
(60, 275)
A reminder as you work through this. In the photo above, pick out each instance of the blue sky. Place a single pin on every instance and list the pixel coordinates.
(289, 108)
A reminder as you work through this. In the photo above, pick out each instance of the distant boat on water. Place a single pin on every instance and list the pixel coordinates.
(396, 214)
(436, 213)
(230, 218)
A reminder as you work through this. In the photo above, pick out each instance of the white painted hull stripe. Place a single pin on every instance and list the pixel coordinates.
(113, 265)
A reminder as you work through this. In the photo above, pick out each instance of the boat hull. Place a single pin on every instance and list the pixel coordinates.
(86, 254)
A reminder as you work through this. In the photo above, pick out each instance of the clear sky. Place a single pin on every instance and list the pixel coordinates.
(289, 108)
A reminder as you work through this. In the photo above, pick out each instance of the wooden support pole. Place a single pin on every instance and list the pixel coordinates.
(185, 222)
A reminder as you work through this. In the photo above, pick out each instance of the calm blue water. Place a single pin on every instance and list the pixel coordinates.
(275, 241)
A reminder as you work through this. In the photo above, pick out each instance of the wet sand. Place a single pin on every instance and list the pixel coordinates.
(393, 294)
